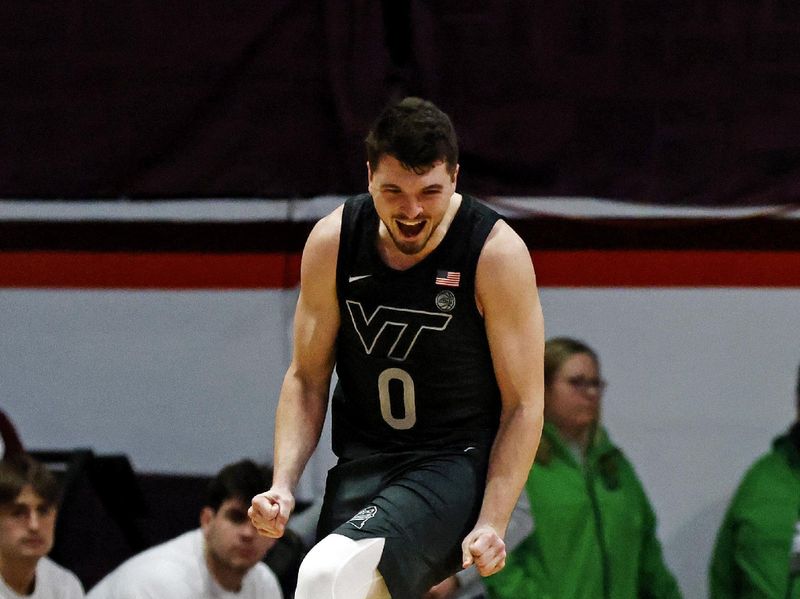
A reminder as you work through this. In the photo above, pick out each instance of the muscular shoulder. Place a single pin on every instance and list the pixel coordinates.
(504, 266)
(323, 241)
(318, 267)
(502, 245)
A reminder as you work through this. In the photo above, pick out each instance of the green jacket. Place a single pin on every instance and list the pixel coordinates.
(751, 556)
(594, 531)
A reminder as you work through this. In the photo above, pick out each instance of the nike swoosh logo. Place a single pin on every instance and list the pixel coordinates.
(357, 278)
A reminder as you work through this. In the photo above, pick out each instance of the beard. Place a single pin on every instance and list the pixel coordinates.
(409, 248)
(406, 246)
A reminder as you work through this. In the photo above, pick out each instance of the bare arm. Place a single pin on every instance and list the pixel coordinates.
(507, 295)
(304, 394)
(467, 583)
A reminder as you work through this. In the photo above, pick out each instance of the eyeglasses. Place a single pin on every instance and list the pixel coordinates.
(583, 384)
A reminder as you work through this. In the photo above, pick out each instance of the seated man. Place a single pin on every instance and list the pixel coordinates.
(220, 559)
(28, 497)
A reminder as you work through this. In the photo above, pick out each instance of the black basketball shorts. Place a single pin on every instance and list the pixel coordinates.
(423, 503)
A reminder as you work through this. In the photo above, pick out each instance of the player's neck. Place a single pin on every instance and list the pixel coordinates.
(19, 575)
(394, 258)
(228, 578)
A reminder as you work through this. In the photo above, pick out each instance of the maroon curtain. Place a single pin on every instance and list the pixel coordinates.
(687, 103)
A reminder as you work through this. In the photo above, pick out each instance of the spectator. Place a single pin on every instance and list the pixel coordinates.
(220, 559)
(754, 554)
(595, 530)
(29, 496)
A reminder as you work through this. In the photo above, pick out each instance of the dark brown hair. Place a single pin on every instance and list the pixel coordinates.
(415, 132)
(240, 480)
(20, 470)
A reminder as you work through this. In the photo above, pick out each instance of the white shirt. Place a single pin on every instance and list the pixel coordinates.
(52, 582)
(177, 570)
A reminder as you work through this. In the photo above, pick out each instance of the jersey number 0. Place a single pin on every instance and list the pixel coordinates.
(409, 418)
(402, 327)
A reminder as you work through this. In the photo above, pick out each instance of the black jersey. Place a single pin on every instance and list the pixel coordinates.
(412, 355)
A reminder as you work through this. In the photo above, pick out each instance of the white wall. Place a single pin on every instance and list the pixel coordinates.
(700, 382)
(178, 381)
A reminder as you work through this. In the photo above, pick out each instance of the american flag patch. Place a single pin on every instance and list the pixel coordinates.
(448, 278)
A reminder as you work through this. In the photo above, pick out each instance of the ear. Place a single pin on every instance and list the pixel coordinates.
(206, 516)
(370, 174)
(455, 174)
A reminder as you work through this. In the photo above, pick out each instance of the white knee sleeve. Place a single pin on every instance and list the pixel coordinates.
(341, 568)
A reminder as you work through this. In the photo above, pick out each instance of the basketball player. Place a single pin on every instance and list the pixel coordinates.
(426, 304)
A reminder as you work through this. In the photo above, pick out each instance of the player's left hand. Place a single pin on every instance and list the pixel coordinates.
(484, 548)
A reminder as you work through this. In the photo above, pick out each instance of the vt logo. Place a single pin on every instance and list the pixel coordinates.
(402, 326)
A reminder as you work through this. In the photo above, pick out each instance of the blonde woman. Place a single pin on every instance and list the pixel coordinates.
(595, 530)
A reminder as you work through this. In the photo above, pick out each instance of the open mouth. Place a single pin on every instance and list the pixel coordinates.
(410, 229)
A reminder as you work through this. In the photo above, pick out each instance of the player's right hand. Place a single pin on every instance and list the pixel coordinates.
(270, 511)
(485, 549)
